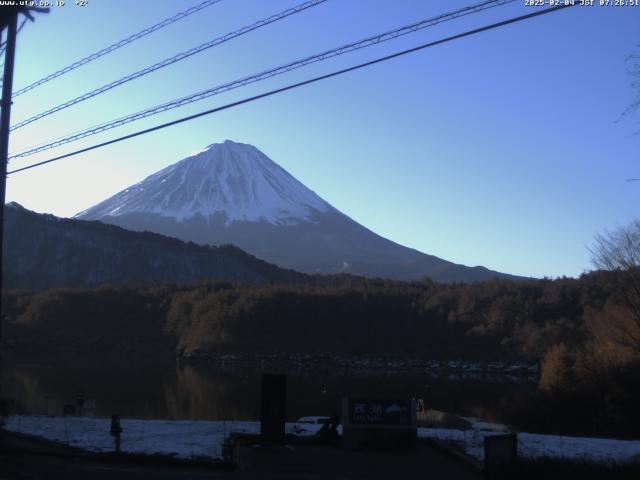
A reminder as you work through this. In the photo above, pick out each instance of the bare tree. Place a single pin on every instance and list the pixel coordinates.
(619, 251)
(633, 68)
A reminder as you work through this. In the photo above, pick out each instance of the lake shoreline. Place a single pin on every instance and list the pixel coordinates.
(297, 362)
(432, 367)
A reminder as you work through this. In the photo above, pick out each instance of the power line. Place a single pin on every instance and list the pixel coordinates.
(296, 85)
(265, 75)
(169, 61)
(4, 44)
(117, 45)
(216, 90)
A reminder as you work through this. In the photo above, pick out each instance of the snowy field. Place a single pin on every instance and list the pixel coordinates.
(181, 439)
(204, 439)
(535, 445)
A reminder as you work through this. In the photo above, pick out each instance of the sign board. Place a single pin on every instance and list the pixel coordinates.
(378, 423)
(380, 412)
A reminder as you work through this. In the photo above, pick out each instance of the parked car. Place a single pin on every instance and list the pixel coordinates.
(316, 420)
(310, 425)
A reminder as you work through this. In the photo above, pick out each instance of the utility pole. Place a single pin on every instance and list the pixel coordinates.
(5, 118)
(9, 19)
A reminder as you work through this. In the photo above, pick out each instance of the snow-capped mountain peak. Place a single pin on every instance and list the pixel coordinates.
(231, 193)
(232, 179)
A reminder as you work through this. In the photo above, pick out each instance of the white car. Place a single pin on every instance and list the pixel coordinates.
(310, 425)
(316, 420)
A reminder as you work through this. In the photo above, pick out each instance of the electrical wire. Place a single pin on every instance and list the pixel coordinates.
(373, 40)
(171, 60)
(3, 45)
(3, 49)
(297, 85)
(117, 45)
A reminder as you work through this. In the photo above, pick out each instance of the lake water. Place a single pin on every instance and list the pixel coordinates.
(226, 393)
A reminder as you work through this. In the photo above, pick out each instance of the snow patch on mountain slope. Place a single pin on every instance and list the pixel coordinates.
(233, 179)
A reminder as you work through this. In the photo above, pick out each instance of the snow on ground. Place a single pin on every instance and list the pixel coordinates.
(533, 445)
(179, 438)
(599, 449)
(194, 439)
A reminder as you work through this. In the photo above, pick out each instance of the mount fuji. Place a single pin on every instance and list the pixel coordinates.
(232, 193)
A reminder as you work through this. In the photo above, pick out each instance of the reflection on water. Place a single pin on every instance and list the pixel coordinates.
(225, 393)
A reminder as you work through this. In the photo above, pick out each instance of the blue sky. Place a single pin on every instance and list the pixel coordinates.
(502, 149)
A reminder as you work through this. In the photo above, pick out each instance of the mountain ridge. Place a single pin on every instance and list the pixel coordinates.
(233, 193)
(43, 251)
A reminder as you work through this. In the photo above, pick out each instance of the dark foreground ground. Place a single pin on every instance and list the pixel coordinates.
(303, 461)
(25, 458)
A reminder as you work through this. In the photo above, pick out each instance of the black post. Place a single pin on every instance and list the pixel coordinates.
(116, 431)
(5, 118)
(273, 409)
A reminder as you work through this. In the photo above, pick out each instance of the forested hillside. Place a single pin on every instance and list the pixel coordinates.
(588, 381)
(342, 315)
